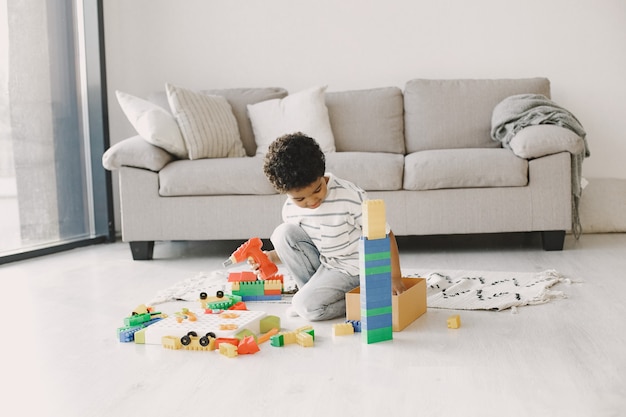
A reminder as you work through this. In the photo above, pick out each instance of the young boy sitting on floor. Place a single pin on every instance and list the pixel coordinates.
(319, 239)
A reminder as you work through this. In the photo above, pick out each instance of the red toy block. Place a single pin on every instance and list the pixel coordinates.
(247, 346)
(242, 276)
(229, 340)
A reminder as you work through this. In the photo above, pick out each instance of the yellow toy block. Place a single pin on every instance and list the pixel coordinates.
(273, 285)
(342, 329)
(228, 350)
(374, 219)
(235, 286)
(289, 337)
(171, 342)
(454, 322)
(304, 339)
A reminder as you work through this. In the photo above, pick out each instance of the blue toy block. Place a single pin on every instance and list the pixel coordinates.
(356, 324)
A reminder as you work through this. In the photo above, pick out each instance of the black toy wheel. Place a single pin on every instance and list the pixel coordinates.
(185, 340)
(219, 294)
(203, 295)
(192, 333)
(204, 341)
(211, 334)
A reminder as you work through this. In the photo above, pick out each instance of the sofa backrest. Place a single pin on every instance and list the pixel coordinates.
(453, 114)
(367, 120)
(238, 98)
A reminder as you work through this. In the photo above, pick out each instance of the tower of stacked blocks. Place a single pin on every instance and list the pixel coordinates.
(375, 274)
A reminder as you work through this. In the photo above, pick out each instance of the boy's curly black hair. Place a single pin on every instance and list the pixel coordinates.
(294, 161)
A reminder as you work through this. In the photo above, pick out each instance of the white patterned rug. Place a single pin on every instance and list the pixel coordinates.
(489, 290)
(450, 289)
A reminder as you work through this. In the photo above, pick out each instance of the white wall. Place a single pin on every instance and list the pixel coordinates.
(350, 44)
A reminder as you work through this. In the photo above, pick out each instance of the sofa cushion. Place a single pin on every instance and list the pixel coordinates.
(541, 140)
(304, 112)
(136, 152)
(153, 123)
(207, 123)
(452, 114)
(216, 176)
(464, 168)
(369, 170)
(238, 98)
(367, 120)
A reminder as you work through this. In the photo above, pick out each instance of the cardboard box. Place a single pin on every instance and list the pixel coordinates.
(406, 307)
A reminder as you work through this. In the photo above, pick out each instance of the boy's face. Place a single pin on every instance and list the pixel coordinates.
(311, 196)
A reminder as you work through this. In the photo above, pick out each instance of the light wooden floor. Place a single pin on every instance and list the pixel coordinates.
(60, 356)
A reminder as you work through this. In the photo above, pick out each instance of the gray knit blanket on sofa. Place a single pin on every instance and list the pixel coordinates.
(522, 110)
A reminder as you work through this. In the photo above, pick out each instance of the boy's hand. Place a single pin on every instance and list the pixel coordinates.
(397, 286)
(272, 256)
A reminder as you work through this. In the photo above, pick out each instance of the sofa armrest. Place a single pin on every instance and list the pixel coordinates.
(136, 152)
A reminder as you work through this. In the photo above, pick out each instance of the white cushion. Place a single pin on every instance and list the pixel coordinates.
(206, 122)
(304, 112)
(153, 123)
(136, 152)
(541, 140)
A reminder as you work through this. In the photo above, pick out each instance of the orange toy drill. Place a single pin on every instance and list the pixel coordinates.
(252, 250)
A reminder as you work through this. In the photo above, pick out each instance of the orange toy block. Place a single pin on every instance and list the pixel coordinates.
(247, 346)
(242, 276)
(265, 337)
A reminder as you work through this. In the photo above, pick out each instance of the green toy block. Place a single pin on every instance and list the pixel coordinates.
(243, 333)
(377, 335)
(268, 323)
(277, 340)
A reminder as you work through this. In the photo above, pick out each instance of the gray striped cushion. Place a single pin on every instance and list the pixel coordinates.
(206, 122)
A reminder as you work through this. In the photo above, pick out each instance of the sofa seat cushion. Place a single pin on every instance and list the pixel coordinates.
(464, 168)
(372, 171)
(217, 176)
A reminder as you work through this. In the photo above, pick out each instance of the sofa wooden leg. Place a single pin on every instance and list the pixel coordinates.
(553, 239)
(142, 251)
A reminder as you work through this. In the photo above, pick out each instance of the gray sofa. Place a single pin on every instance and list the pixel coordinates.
(426, 150)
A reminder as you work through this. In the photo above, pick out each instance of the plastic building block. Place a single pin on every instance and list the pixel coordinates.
(244, 333)
(226, 340)
(242, 276)
(228, 350)
(268, 323)
(171, 342)
(205, 323)
(304, 339)
(265, 337)
(374, 219)
(247, 346)
(454, 322)
(287, 338)
(277, 340)
(190, 341)
(185, 314)
(356, 325)
(375, 274)
(127, 334)
(342, 329)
